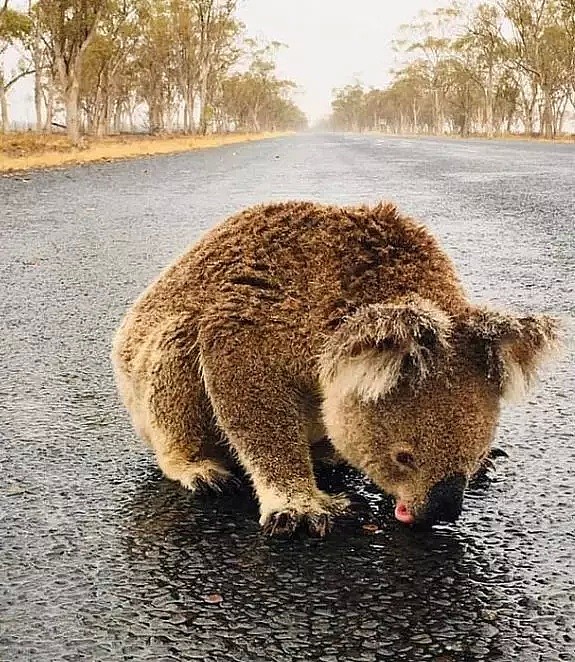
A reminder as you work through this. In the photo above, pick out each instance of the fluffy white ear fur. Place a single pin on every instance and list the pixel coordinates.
(369, 375)
(515, 347)
(367, 354)
(514, 381)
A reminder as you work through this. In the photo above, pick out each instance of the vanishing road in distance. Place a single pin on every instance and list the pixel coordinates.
(103, 559)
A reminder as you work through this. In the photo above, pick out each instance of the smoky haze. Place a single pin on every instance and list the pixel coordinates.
(328, 45)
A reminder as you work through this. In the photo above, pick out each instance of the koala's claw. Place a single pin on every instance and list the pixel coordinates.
(484, 475)
(281, 524)
(489, 462)
(224, 486)
(285, 523)
(494, 453)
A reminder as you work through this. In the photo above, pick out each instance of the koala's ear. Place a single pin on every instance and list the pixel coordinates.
(381, 343)
(514, 348)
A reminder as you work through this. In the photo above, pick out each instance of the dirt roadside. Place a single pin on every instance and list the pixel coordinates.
(29, 151)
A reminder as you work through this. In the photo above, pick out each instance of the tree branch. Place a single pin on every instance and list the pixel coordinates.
(16, 78)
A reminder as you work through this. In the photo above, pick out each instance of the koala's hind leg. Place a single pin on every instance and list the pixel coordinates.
(261, 414)
(175, 412)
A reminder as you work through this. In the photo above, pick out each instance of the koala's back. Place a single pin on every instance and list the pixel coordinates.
(300, 268)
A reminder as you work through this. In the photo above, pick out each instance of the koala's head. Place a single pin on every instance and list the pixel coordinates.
(412, 396)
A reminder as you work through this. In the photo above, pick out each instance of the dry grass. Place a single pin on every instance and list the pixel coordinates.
(27, 151)
(568, 139)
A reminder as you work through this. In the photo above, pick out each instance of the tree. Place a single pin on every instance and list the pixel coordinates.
(503, 64)
(431, 37)
(541, 50)
(348, 107)
(482, 49)
(14, 28)
(567, 20)
(155, 66)
(107, 56)
(108, 61)
(217, 30)
(256, 100)
(69, 27)
(186, 44)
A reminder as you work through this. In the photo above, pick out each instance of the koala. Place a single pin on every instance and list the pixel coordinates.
(293, 322)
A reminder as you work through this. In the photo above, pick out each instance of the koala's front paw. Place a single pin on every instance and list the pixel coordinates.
(488, 466)
(311, 516)
(285, 523)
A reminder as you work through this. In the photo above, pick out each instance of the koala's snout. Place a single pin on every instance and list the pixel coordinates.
(444, 502)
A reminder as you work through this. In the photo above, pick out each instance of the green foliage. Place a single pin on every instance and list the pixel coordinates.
(178, 61)
(256, 100)
(14, 26)
(69, 24)
(505, 65)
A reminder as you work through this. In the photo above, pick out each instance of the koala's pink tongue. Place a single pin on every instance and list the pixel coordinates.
(403, 514)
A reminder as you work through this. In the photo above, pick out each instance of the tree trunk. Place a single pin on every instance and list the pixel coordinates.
(509, 123)
(38, 99)
(72, 101)
(37, 58)
(547, 128)
(154, 116)
(528, 119)
(529, 102)
(467, 113)
(169, 118)
(203, 99)
(562, 108)
(255, 124)
(4, 119)
(189, 111)
(117, 118)
(102, 116)
(49, 108)
(489, 105)
(102, 126)
(437, 119)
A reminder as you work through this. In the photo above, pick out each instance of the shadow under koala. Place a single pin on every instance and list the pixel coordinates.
(399, 590)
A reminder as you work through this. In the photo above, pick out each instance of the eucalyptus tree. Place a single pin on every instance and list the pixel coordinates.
(68, 28)
(500, 64)
(348, 107)
(15, 27)
(256, 99)
(527, 21)
(567, 19)
(430, 37)
(186, 44)
(482, 50)
(107, 59)
(217, 50)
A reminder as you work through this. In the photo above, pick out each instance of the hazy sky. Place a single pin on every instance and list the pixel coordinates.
(329, 43)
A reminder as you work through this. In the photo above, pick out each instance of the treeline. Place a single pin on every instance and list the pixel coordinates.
(508, 66)
(104, 65)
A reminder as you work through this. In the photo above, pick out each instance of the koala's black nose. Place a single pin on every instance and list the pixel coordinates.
(445, 500)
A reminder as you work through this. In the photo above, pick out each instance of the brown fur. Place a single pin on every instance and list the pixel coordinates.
(290, 321)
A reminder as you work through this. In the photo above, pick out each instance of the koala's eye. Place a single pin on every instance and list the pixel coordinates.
(405, 459)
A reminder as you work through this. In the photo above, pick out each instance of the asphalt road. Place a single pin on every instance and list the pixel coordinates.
(103, 559)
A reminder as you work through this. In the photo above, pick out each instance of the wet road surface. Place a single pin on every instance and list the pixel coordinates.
(103, 559)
